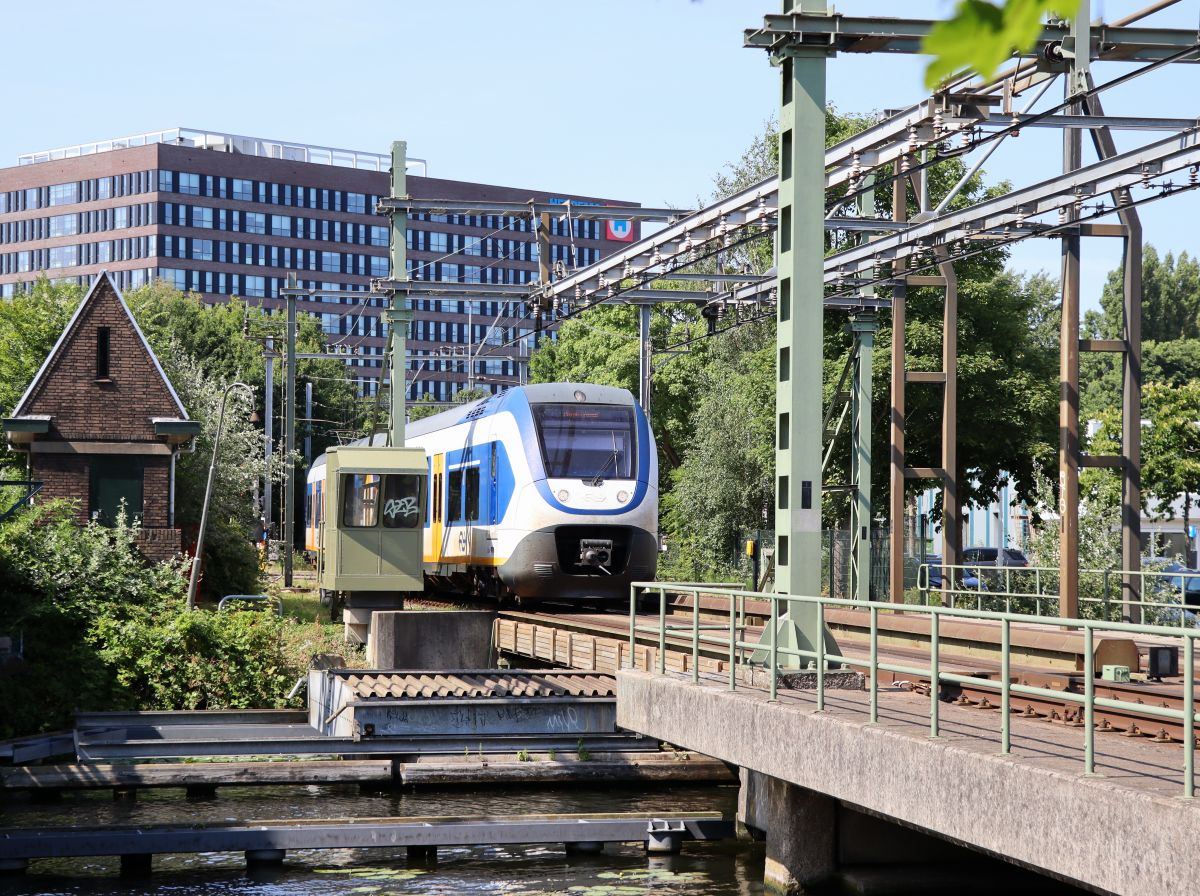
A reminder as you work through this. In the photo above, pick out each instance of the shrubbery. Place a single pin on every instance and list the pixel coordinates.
(104, 630)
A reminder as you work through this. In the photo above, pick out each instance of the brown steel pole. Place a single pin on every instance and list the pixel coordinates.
(1131, 425)
(951, 506)
(1131, 380)
(1068, 401)
(896, 426)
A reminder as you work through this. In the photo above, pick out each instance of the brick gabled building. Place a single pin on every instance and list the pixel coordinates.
(101, 423)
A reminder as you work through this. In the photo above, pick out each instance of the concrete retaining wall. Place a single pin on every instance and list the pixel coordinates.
(436, 640)
(1082, 829)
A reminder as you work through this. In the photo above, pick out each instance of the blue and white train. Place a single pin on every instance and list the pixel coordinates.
(540, 492)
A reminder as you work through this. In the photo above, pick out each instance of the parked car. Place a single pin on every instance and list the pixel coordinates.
(995, 557)
(1187, 582)
(967, 579)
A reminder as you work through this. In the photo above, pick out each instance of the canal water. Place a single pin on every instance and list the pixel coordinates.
(703, 869)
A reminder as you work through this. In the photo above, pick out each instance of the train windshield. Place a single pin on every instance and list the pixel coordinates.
(586, 441)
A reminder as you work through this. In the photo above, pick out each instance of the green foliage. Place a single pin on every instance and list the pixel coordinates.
(981, 35)
(1170, 299)
(1170, 448)
(196, 659)
(230, 559)
(1170, 312)
(725, 483)
(423, 407)
(30, 323)
(59, 583)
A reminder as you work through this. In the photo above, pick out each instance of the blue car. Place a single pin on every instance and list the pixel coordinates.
(1183, 583)
(968, 578)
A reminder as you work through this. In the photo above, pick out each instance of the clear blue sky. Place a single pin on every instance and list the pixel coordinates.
(634, 99)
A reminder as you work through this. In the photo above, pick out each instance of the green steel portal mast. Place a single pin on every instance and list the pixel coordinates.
(398, 317)
(801, 292)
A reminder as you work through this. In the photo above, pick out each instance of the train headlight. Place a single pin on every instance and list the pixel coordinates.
(622, 496)
(562, 495)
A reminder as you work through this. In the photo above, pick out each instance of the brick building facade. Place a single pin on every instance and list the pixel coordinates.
(101, 423)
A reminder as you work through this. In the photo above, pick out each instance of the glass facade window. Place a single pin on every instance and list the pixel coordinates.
(331, 261)
(256, 222)
(189, 183)
(379, 266)
(64, 194)
(64, 257)
(64, 225)
(243, 189)
(379, 236)
(202, 216)
(281, 225)
(254, 286)
(356, 203)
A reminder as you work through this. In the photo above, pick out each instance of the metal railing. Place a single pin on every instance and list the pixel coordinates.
(221, 140)
(1021, 589)
(728, 637)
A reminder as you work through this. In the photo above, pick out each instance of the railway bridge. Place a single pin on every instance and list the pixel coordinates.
(914, 731)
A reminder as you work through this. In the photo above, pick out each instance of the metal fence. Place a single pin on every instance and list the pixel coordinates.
(729, 637)
(1162, 597)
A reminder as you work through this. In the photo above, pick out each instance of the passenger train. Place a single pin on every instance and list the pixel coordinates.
(542, 491)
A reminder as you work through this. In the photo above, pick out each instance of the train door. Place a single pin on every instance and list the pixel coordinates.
(456, 539)
(436, 504)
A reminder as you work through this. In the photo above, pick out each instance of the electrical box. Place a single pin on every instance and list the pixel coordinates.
(1162, 661)
(1115, 673)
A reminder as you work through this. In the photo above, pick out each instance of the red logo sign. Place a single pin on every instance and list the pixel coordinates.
(621, 231)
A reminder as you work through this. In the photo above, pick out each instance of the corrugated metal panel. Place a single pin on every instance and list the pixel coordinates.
(465, 685)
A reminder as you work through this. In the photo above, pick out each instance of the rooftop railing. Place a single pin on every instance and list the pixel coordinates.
(225, 142)
(729, 637)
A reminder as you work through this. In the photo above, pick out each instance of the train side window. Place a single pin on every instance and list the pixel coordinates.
(471, 513)
(402, 501)
(454, 497)
(360, 500)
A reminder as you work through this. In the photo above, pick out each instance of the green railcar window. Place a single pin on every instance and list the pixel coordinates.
(402, 501)
(360, 500)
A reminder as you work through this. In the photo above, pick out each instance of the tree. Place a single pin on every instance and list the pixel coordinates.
(224, 341)
(230, 562)
(1170, 331)
(30, 323)
(1170, 449)
(1170, 299)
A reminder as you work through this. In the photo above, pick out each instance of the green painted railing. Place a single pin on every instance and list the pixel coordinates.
(729, 637)
(1035, 587)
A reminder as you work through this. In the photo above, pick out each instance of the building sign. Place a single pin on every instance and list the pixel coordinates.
(621, 231)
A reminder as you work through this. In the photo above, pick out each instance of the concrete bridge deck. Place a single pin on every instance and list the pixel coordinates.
(1124, 830)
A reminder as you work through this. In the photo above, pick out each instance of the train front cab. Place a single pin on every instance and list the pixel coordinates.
(371, 531)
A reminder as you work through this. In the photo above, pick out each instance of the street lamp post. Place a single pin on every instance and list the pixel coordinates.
(212, 471)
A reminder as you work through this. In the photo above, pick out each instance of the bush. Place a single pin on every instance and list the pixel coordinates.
(104, 630)
(58, 580)
(197, 659)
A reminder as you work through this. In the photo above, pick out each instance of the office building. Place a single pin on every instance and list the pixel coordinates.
(222, 215)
